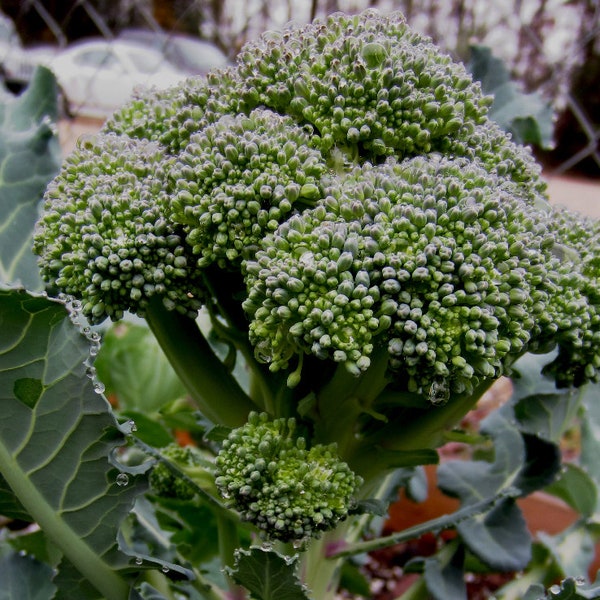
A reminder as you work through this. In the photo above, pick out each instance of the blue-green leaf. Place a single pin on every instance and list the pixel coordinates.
(572, 550)
(29, 158)
(500, 537)
(24, 578)
(445, 578)
(527, 116)
(55, 445)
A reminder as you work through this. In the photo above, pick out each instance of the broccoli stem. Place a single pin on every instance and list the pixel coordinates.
(411, 436)
(219, 396)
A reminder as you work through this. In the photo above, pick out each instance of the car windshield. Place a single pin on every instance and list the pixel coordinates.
(146, 62)
(98, 58)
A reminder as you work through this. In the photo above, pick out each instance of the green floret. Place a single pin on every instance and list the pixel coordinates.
(265, 471)
(184, 463)
(238, 179)
(366, 82)
(437, 259)
(573, 313)
(103, 238)
(171, 116)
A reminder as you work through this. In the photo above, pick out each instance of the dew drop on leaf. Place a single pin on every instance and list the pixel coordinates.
(99, 387)
(122, 479)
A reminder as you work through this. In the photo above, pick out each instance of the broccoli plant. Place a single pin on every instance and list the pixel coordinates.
(339, 253)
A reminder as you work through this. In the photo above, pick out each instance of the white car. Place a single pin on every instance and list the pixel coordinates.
(96, 76)
(186, 52)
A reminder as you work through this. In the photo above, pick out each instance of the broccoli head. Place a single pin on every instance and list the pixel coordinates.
(289, 491)
(339, 191)
(238, 179)
(170, 479)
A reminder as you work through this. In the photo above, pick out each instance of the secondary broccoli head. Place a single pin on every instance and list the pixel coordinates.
(165, 481)
(103, 236)
(572, 315)
(265, 471)
(438, 259)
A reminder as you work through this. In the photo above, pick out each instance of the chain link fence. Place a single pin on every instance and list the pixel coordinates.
(550, 46)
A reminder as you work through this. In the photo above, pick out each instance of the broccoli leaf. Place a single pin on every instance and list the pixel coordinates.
(445, 578)
(575, 487)
(56, 438)
(527, 116)
(499, 537)
(29, 158)
(134, 368)
(25, 578)
(267, 575)
(590, 435)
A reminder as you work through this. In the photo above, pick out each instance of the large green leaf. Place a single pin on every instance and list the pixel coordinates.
(57, 434)
(29, 158)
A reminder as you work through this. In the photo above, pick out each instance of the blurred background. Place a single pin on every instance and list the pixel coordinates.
(100, 49)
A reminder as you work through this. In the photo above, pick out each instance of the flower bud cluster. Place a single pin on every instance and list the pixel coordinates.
(437, 258)
(573, 311)
(238, 179)
(290, 492)
(103, 238)
(366, 82)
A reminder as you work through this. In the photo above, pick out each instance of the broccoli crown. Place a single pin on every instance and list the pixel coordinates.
(238, 179)
(349, 172)
(164, 480)
(433, 257)
(103, 236)
(265, 471)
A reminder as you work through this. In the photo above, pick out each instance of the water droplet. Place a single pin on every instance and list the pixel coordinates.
(439, 392)
(94, 349)
(266, 546)
(132, 426)
(95, 336)
(99, 387)
(299, 544)
(122, 479)
(579, 580)
(76, 305)
(139, 560)
(555, 589)
(165, 569)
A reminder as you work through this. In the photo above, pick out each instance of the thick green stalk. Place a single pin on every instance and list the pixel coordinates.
(219, 396)
(320, 574)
